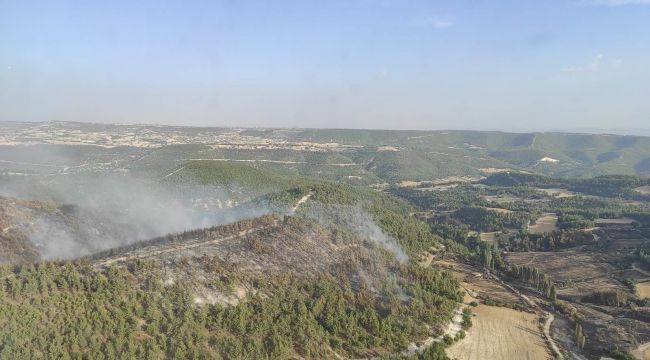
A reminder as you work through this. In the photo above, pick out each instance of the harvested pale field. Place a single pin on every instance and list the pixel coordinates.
(501, 199)
(645, 190)
(501, 333)
(545, 224)
(439, 187)
(408, 183)
(621, 221)
(386, 148)
(432, 184)
(642, 352)
(557, 192)
(491, 170)
(643, 289)
(499, 210)
(488, 236)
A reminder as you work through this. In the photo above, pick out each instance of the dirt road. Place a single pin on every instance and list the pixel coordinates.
(174, 172)
(547, 316)
(547, 334)
(301, 201)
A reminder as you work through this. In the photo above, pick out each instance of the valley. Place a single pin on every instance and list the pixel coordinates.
(375, 244)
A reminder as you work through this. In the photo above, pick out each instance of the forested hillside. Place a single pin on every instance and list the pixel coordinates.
(339, 277)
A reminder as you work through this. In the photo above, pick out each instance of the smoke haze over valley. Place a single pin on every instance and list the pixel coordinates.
(345, 179)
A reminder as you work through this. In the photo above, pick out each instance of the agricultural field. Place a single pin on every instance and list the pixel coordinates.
(620, 221)
(545, 224)
(489, 236)
(581, 272)
(643, 289)
(501, 199)
(499, 329)
(499, 210)
(576, 265)
(642, 352)
(498, 332)
(558, 193)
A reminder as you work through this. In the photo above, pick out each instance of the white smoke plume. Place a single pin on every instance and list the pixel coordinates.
(104, 212)
(359, 222)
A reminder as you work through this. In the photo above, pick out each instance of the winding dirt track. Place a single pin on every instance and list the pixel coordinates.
(547, 334)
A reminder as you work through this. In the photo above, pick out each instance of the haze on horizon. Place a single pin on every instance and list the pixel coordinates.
(508, 65)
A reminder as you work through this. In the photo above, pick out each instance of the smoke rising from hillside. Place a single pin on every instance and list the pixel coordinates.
(360, 223)
(105, 212)
(363, 225)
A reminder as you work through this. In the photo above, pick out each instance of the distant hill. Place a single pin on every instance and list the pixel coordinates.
(358, 157)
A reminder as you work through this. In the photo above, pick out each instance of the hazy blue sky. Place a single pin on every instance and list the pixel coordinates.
(357, 63)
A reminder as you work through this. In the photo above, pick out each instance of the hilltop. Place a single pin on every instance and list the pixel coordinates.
(360, 157)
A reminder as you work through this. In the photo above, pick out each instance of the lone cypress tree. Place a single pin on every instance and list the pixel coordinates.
(553, 293)
(578, 333)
